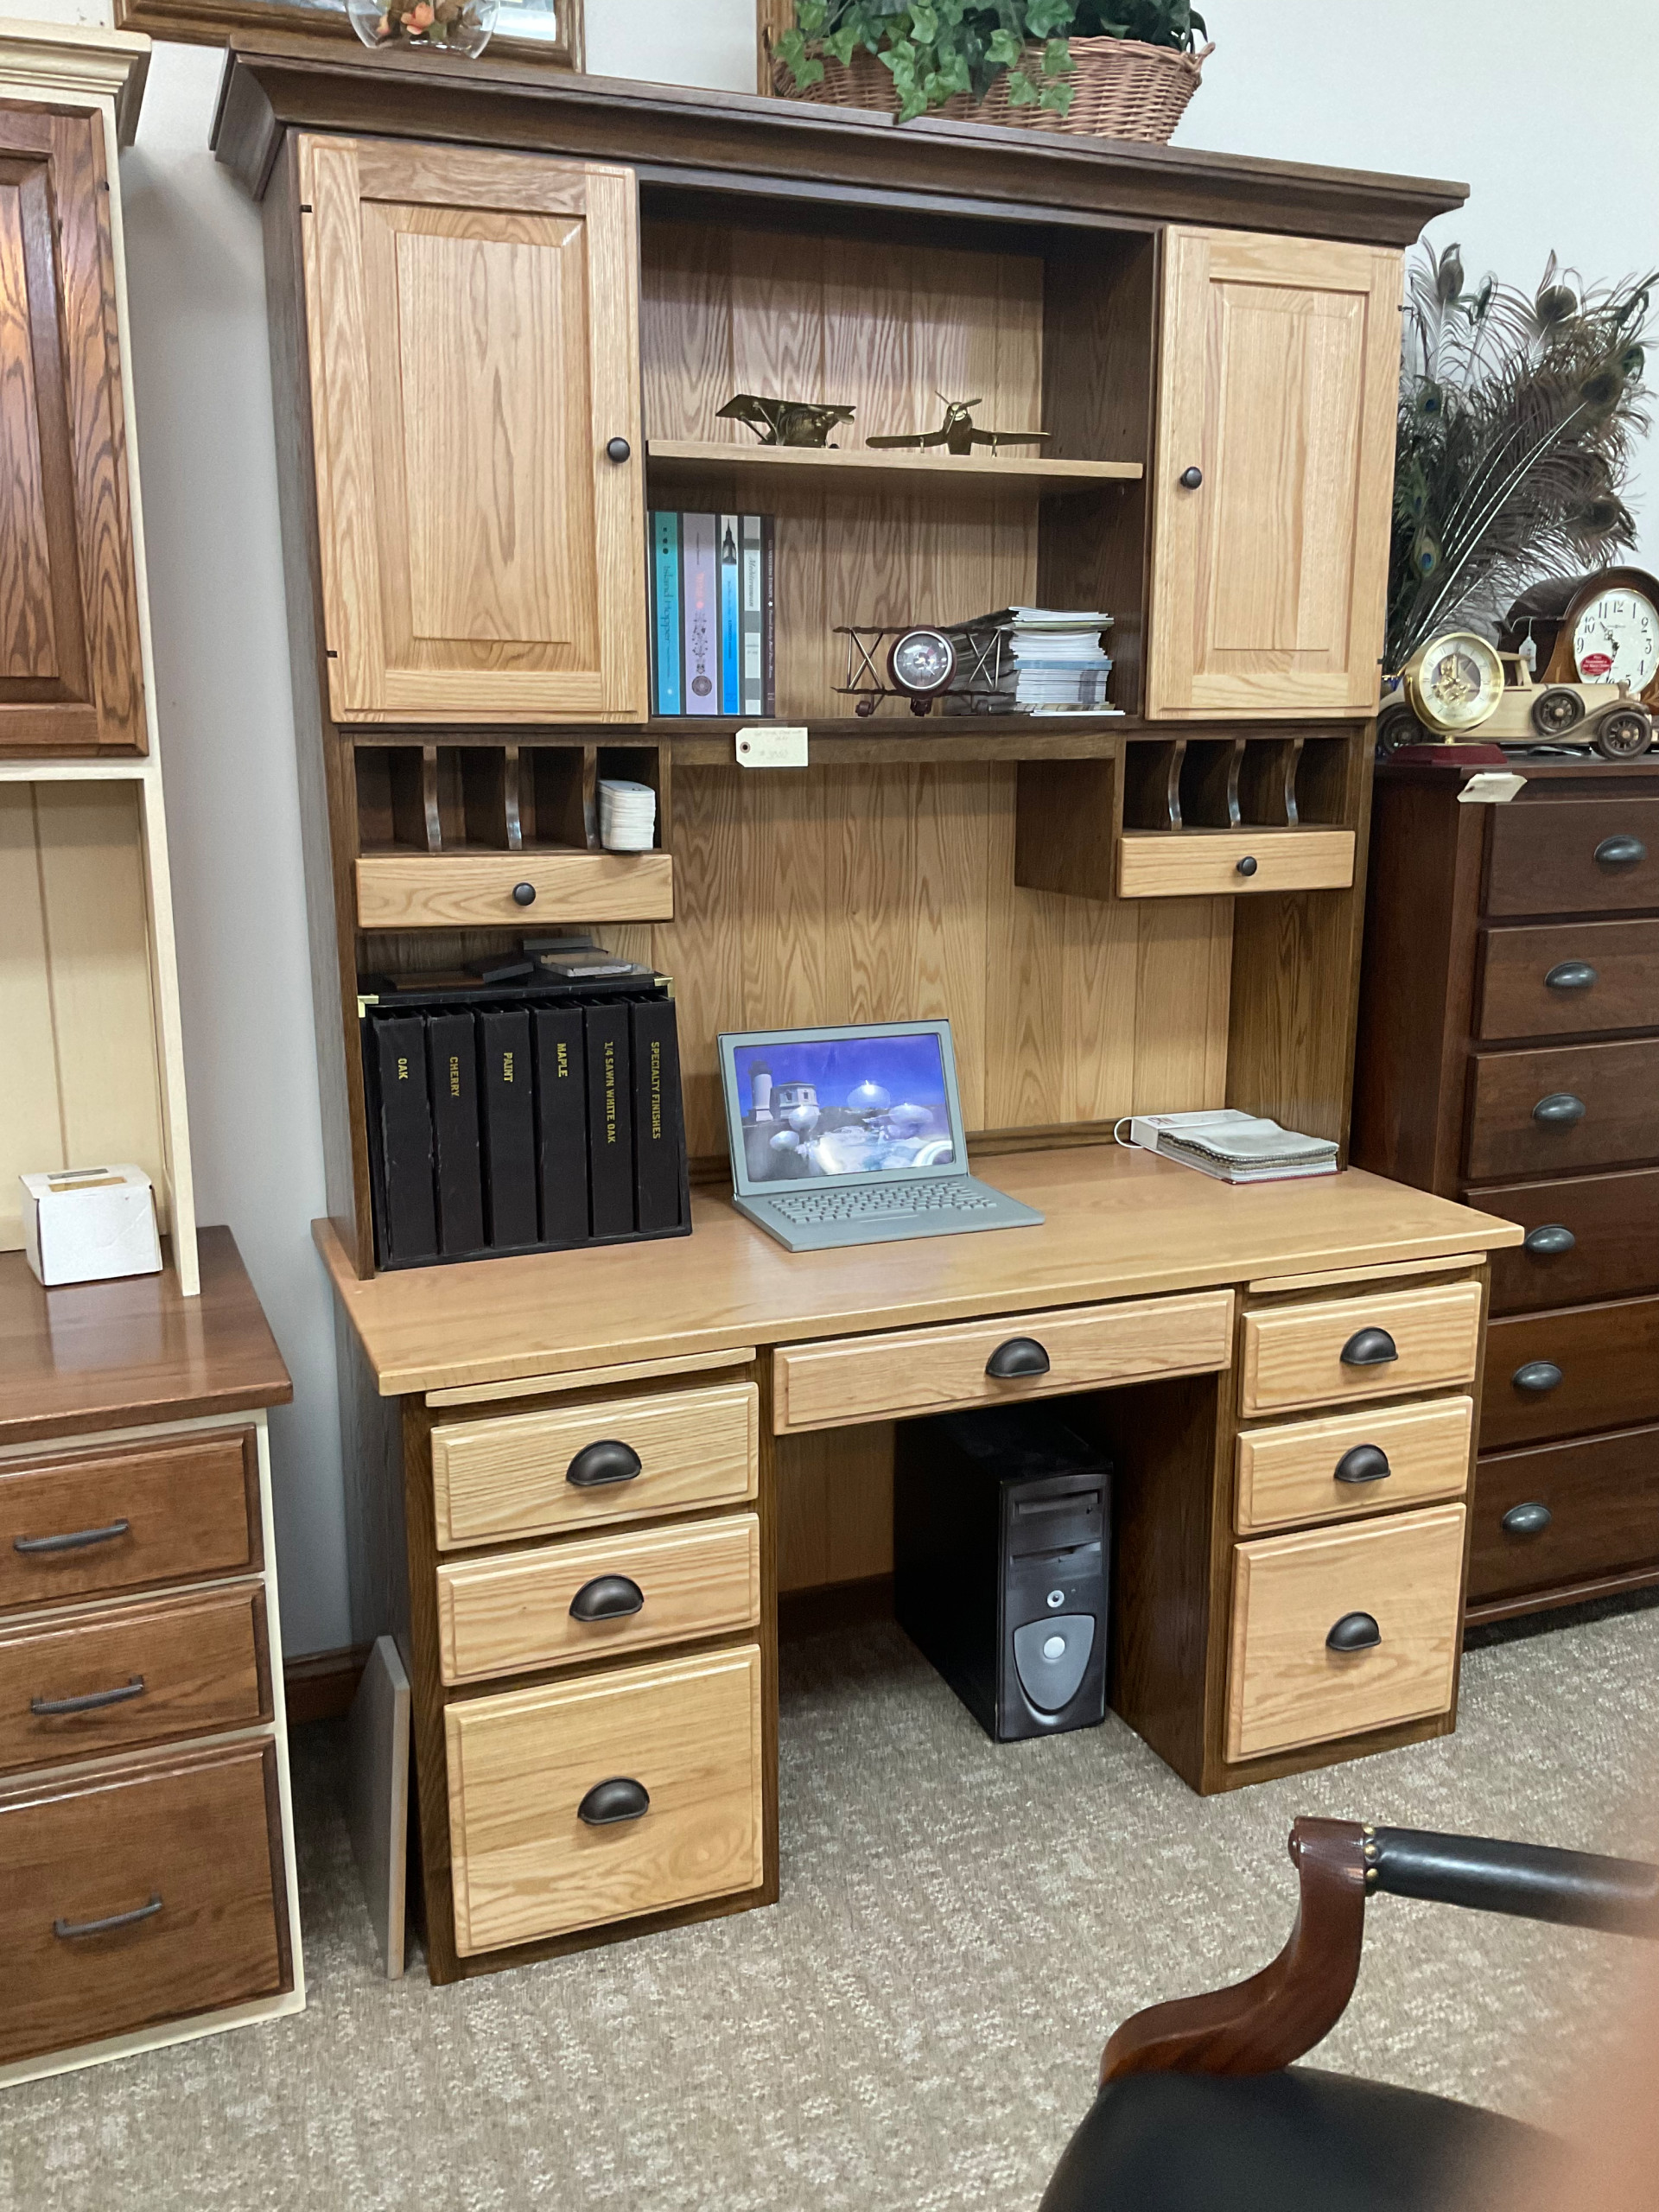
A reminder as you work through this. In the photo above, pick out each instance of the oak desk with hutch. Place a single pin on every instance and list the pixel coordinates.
(505, 308)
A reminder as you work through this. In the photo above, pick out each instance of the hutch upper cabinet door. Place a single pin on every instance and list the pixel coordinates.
(71, 676)
(474, 327)
(1279, 367)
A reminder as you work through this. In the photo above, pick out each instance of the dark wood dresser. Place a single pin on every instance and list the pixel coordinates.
(1509, 1054)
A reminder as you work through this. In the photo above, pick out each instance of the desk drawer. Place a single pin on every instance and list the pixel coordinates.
(685, 1734)
(1606, 977)
(1600, 1514)
(81, 1524)
(1551, 1375)
(1290, 1473)
(473, 891)
(1544, 856)
(1578, 1106)
(506, 1615)
(1286, 1686)
(855, 1379)
(186, 1845)
(1200, 863)
(1293, 1355)
(1613, 1223)
(521, 1474)
(182, 1667)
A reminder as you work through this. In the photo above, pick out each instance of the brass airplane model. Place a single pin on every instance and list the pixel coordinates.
(957, 434)
(785, 422)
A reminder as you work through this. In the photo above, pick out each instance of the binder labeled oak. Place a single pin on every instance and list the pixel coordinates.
(402, 1131)
(560, 1123)
(610, 1120)
(507, 1118)
(452, 1077)
(659, 1176)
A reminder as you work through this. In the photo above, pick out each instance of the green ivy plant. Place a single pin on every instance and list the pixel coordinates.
(936, 48)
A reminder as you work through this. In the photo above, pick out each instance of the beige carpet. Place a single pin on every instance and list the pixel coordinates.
(915, 2027)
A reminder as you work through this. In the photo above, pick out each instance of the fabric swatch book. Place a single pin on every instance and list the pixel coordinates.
(1233, 1145)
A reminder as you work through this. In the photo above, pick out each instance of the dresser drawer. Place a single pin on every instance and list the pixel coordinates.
(78, 1524)
(1567, 977)
(1614, 1224)
(1578, 1106)
(680, 1743)
(1286, 1683)
(1551, 1375)
(93, 1682)
(542, 1473)
(573, 1601)
(473, 891)
(1294, 1355)
(1564, 1513)
(144, 1894)
(1573, 856)
(1203, 863)
(1359, 1463)
(855, 1379)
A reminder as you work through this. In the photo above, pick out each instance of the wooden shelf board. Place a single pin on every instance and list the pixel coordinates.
(1020, 472)
(887, 741)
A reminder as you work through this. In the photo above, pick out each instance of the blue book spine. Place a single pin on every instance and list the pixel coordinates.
(731, 682)
(665, 629)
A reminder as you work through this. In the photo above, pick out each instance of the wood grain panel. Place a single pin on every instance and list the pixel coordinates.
(1613, 1221)
(1516, 1000)
(524, 1865)
(468, 891)
(1618, 1085)
(1285, 1685)
(1608, 1357)
(28, 645)
(835, 1505)
(1291, 1356)
(1287, 1474)
(1602, 1496)
(1541, 855)
(1180, 864)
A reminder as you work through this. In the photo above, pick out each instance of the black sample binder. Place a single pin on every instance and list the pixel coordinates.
(507, 1117)
(610, 1120)
(452, 1074)
(659, 1176)
(401, 1128)
(560, 1123)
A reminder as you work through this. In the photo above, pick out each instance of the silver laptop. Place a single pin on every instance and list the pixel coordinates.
(853, 1136)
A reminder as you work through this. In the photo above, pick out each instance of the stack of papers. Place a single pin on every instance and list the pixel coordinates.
(1233, 1145)
(1048, 661)
(627, 816)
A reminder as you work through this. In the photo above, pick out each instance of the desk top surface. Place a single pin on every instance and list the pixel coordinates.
(1119, 1224)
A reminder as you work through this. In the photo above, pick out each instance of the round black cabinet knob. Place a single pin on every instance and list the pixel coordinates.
(1571, 976)
(1191, 478)
(621, 1798)
(1529, 1519)
(619, 450)
(1370, 1348)
(1620, 852)
(1354, 1632)
(1248, 866)
(607, 1598)
(1365, 1463)
(1560, 1110)
(607, 1461)
(1538, 1376)
(1019, 1356)
(523, 894)
(1549, 1240)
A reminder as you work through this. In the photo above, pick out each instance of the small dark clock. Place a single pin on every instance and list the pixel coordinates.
(921, 664)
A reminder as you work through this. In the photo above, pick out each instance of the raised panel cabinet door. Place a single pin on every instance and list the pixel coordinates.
(1274, 472)
(473, 322)
(70, 675)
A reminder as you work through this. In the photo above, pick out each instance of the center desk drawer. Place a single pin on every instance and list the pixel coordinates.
(574, 1601)
(1359, 1348)
(1392, 1585)
(858, 1379)
(596, 1800)
(544, 1473)
(1362, 1462)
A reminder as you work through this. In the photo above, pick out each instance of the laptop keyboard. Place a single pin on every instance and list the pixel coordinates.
(878, 1201)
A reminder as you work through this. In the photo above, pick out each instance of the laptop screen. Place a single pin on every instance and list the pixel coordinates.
(862, 1103)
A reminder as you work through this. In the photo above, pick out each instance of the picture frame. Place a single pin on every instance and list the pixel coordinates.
(550, 32)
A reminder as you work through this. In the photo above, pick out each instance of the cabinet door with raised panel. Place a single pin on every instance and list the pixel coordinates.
(1277, 384)
(472, 323)
(71, 676)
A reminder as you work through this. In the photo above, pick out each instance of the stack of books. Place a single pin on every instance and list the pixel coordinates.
(713, 632)
(1233, 1145)
(1041, 660)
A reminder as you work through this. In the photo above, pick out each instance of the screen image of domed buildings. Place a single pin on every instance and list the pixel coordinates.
(843, 1106)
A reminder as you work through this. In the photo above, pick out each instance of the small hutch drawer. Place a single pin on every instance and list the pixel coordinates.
(1564, 1513)
(1573, 856)
(1577, 1106)
(1359, 1348)
(1591, 1367)
(1198, 863)
(475, 891)
(1361, 1463)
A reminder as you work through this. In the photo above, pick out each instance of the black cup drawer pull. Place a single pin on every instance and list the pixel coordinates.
(621, 1798)
(76, 1539)
(608, 1461)
(1365, 1463)
(607, 1597)
(1560, 1110)
(66, 1930)
(1620, 852)
(1572, 975)
(48, 1708)
(1538, 1375)
(1354, 1632)
(1529, 1519)
(1370, 1348)
(1550, 1239)
(1019, 1356)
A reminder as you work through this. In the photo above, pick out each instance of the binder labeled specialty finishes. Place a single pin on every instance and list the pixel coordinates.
(508, 1121)
(560, 1123)
(403, 1130)
(610, 1121)
(658, 1141)
(452, 1079)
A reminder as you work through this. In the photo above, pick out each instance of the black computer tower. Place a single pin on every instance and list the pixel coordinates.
(1002, 1564)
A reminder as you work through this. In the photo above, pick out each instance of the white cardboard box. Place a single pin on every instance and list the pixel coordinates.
(87, 1224)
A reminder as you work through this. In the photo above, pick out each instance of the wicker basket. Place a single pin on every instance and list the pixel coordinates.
(1119, 89)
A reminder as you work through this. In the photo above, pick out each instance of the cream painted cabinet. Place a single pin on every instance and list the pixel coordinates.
(473, 327)
(1274, 464)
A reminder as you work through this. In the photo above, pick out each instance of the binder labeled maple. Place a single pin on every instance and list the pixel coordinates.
(560, 1123)
(452, 1076)
(507, 1118)
(659, 1176)
(610, 1119)
(401, 1141)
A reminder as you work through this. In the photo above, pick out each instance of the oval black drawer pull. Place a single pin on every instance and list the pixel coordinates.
(1247, 866)
(1191, 478)
(1572, 975)
(1370, 1348)
(1354, 1632)
(608, 1461)
(1365, 1463)
(620, 1799)
(1529, 1519)
(1019, 1356)
(66, 1930)
(607, 1597)
(1560, 1110)
(1538, 1375)
(523, 894)
(1620, 852)
(76, 1539)
(46, 1708)
(1550, 1239)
